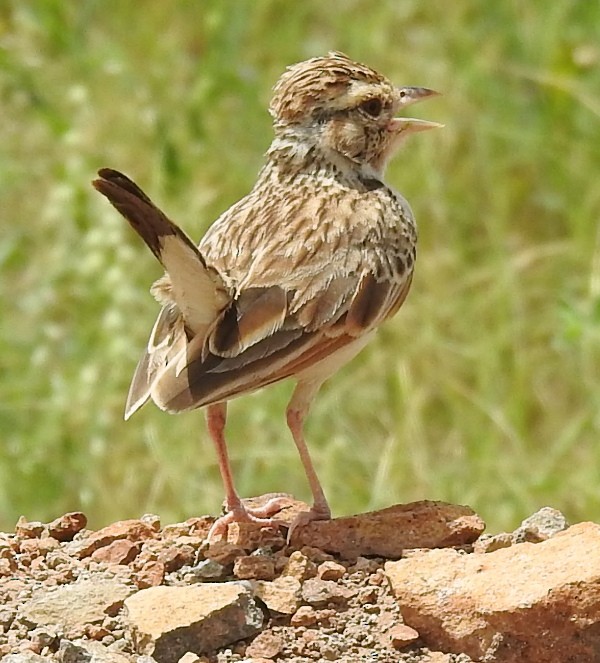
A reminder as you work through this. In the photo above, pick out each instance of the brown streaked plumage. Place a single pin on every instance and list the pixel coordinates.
(293, 279)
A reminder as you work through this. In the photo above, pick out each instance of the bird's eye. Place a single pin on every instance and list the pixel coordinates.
(372, 107)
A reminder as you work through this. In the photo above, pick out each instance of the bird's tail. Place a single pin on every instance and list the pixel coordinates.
(197, 289)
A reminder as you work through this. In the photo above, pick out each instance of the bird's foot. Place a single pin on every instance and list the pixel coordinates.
(244, 513)
(305, 517)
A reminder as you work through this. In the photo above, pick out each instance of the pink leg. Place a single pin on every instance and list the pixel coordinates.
(216, 416)
(296, 413)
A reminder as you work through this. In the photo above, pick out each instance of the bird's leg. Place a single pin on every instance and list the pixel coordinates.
(216, 416)
(296, 413)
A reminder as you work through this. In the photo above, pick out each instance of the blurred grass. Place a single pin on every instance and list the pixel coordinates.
(484, 390)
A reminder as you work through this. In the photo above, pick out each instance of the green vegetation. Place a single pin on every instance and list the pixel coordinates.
(483, 390)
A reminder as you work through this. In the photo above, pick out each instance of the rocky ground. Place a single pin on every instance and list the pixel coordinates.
(413, 583)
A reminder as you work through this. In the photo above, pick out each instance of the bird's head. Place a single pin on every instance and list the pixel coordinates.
(345, 107)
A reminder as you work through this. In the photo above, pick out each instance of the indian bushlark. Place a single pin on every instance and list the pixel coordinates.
(292, 280)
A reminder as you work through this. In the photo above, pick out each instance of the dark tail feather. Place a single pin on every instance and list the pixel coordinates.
(141, 213)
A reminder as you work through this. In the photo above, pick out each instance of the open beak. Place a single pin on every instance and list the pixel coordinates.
(403, 126)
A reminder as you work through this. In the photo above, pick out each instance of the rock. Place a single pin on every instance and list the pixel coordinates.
(388, 532)
(73, 606)
(121, 551)
(254, 567)
(84, 651)
(132, 530)
(65, 527)
(281, 595)
(168, 622)
(207, 569)
(223, 552)
(318, 593)
(152, 520)
(24, 657)
(176, 556)
(266, 645)
(150, 575)
(401, 636)
(530, 602)
(39, 547)
(299, 566)
(541, 526)
(331, 571)
(490, 542)
(25, 529)
(306, 615)
(192, 658)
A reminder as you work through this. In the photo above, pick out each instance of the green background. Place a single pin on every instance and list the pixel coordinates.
(483, 390)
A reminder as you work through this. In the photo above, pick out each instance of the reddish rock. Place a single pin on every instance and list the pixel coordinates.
(388, 532)
(254, 567)
(401, 636)
(151, 574)
(266, 645)
(280, 595)
(299, 566)
(37, 547)
(132, 530)
(25, 529)
(331, 571)
(306, 615)
(121, 551)
(224, 552)
(530, 602)
(174, 557)
(65, 527)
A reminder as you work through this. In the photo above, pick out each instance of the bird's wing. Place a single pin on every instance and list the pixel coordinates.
(302, 293)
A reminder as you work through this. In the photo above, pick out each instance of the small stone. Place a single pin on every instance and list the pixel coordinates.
(132, 530)
(254, 567)
(42, 637)
(207, 569)
(174, 557)
(490, 542)
(541, 526)
(7, 616)
(280, 595)
(8, 566)
(331, 571)
(96, 632)
(266, 645)
(223, 552)
(304, 616)
(299, 566)
(151, 574)
(25, 529)
(172, 532)
(189, 657)
(121, 551)
(152, 520)
(65, 527)
(401, 636)
(319, 592)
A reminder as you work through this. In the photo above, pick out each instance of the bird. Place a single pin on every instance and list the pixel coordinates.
(292, 280)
